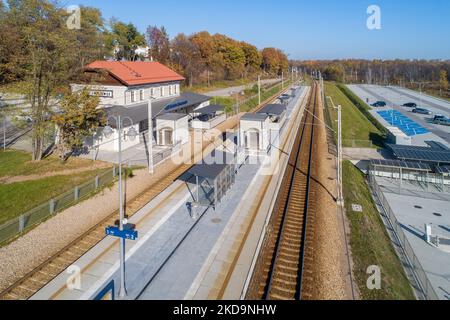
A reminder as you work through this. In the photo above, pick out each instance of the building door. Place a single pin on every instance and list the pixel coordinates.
(252, 141)
(168, 137)
(165, 137)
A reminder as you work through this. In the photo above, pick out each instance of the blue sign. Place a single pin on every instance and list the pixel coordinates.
(128, 234)
(175, 105)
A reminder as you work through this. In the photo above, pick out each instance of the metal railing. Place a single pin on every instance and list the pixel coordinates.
(23, 223)
(355, 143)
(414, 263)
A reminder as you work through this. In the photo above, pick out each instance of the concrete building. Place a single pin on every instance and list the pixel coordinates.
(125, 88)
(208, 117)
(254, 131)
(261, 130)
(172, 129)
(397, 136)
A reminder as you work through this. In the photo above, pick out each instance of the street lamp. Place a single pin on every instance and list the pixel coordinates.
(150, 135)
(239, 123)
(108, 131)
(340, 198)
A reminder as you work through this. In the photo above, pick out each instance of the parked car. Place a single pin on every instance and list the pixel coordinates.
(440, 119)
(421, 111)
(379, 104)
(410, 105)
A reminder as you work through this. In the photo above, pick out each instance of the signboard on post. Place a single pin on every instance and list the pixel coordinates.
(126, 233)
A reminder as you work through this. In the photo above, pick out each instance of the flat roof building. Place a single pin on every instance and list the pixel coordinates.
(261, 130)
(208, 117)
(172, 129)
(209, 182)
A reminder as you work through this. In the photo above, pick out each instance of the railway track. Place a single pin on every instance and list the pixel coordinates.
(283, 269)
(52, 267)
(40, 276)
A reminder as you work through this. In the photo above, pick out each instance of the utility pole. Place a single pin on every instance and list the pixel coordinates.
(340, 199)
(259, 90)
(122, 289)
(150, 136)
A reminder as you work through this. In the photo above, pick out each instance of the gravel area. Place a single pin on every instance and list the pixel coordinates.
(27, 252)
(331, 276)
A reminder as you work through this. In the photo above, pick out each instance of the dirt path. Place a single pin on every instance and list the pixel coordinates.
(95, 166)
(331, 264)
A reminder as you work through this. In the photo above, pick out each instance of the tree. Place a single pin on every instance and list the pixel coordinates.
(78, 117)
(124, 39)
(211, 58)
(90, 39)
(333, 73)
(159, 43)
(187, 58)
(443, 81)
(232, 55)
(45, 58)
(253, 58)
(274, 61)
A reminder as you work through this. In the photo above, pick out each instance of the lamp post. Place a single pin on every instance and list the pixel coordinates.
(108, 131)
(239, 123)
(259, 90)
(150, 136)
(340, 197)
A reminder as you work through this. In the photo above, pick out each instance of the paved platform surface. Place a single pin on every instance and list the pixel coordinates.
(174, 281)
(395, 97)
(412, 219)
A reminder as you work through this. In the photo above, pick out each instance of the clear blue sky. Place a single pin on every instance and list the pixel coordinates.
(317, 29)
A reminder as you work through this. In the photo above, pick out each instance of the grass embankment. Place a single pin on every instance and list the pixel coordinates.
(363, 107)
(357, 130)
(370, 242)
(217, 85)
(19, 197)
(250, 103)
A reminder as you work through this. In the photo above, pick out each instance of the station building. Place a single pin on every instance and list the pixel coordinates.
(125, 88)
(260, 130)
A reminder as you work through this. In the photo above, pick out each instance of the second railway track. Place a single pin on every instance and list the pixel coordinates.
(283, 268)
(48, 270)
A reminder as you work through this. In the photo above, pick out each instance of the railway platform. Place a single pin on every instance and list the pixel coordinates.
(173, 251)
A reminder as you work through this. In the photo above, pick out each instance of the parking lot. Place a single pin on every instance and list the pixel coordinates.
(395, 97)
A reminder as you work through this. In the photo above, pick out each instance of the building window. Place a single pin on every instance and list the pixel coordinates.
(152, 92)
(163, 91)
(170, 90)
(133, 96)
(176, 89)
(141, 94)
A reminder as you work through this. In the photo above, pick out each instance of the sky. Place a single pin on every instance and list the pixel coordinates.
(317, 29)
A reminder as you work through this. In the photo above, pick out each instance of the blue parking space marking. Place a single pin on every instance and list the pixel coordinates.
(397, 119)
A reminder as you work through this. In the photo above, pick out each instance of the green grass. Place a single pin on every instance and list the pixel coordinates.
(230, 102)
(355, 125)
(370, 242)
(17, 163)
(17, 198)
(216, 85)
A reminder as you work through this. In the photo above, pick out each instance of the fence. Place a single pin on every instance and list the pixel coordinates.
(354, 143)
(252, 101)
(416, 267)
(26, 221)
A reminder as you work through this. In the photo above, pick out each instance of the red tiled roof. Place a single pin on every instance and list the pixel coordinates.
(134, 73)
